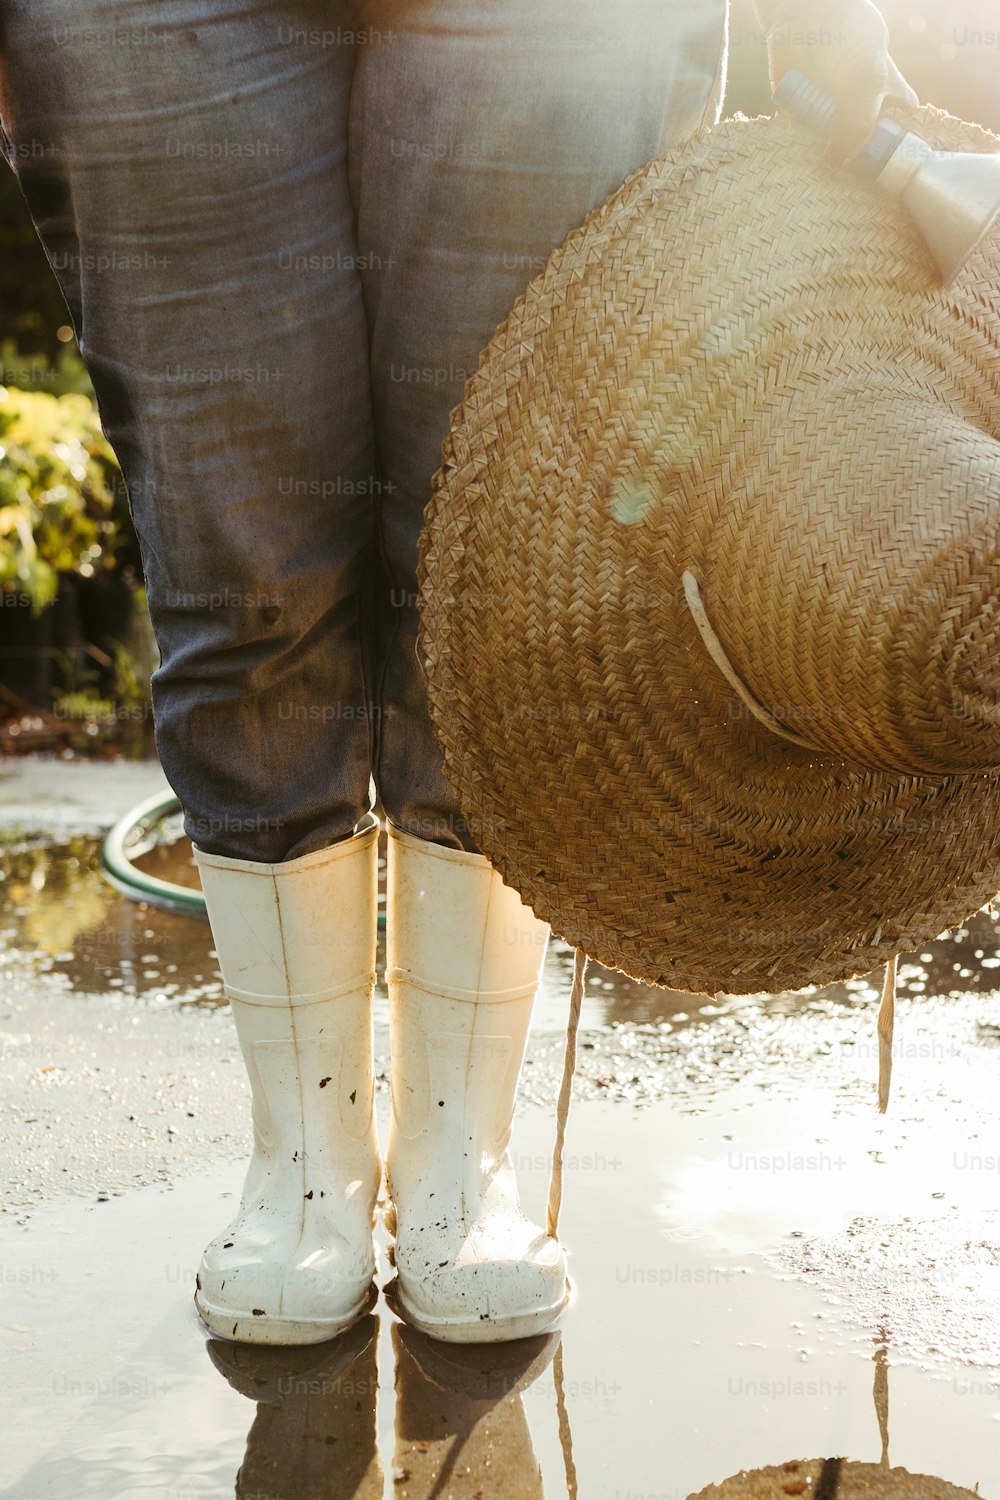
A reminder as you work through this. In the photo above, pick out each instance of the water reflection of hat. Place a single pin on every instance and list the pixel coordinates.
(832, 1479)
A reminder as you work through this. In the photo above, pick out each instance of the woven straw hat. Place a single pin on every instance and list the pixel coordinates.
(710, 578)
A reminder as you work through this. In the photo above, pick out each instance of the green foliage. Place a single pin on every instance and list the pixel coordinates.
(85, 706)
(121, 714)
(57, 492)
(131, 683)
(37, 372)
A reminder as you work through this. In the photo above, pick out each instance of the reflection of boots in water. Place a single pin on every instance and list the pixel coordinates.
(461, 1428)
(313, 1437)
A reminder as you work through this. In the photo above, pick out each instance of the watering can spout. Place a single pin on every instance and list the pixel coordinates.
(953, 196)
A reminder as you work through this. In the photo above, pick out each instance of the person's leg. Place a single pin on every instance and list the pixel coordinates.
(296, 946)
(185, 166)
(482, 131)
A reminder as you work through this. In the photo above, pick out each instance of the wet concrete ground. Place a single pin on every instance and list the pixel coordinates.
(769, 1272)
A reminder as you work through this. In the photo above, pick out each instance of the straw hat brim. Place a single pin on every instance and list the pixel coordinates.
(600, 758)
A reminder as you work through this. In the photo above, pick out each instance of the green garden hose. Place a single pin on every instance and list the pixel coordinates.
(135, 883)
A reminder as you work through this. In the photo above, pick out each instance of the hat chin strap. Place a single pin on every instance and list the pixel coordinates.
(715, 649)
(565, 1093)
(886, 1017)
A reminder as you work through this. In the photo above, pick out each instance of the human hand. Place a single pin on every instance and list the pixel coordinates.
(843, 45)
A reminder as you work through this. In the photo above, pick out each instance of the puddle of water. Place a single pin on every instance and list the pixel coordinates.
(59, 913)
(769, 1271)
(693, 1352)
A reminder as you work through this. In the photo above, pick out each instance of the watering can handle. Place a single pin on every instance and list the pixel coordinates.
(800, 97)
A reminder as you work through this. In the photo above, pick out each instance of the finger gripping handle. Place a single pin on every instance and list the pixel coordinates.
(800, 97)
(810, 104)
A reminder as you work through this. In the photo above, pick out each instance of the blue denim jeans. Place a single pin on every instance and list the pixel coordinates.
(285, 229)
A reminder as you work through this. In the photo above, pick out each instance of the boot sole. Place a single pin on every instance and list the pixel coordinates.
(483, 1330)
(246, 1328)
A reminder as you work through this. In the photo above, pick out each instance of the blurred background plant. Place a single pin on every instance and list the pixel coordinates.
(76, 648)
(72, 612)
(57, 495)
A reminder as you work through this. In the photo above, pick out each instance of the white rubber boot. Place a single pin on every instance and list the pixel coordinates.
(296, 946)
(463, 963)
